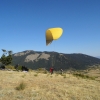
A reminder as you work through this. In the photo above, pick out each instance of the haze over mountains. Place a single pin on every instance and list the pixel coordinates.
(35, 59)
(98, 57)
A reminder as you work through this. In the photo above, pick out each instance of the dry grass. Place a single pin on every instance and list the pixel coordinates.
(94, 73)
(47, 87)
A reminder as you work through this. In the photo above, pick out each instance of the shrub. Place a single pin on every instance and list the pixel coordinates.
(19, 68)
(64, 76)
(10, 67)
(45, 72)
(35, 74)
(42, 70)
(21, 86)
(83, 76)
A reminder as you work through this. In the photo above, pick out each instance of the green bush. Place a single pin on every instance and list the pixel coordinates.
(10, 67)
(21, 86)
(19, 68)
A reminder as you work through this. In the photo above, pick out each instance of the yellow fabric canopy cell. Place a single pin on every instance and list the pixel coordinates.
(53, 34)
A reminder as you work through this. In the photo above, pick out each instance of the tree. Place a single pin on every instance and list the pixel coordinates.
(10, 52)
(6, 58)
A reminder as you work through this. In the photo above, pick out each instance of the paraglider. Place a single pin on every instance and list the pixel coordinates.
(53, 34)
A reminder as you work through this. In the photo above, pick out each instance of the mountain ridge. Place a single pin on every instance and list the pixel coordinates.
(98, 57)
(37, 59)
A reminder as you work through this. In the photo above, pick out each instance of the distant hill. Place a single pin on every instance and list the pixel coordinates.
(98, 57)
(35, 59)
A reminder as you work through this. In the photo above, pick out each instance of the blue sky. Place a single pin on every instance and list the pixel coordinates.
(23, 24)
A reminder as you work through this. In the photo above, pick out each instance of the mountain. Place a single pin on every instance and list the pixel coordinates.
(98, 57)
(35, 59)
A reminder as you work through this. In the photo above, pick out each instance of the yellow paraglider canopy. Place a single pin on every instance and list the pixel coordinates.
(53, 34)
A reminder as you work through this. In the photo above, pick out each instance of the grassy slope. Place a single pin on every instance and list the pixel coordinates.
(41, 86)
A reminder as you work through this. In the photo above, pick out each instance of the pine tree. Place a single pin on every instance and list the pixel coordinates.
(6, 58)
